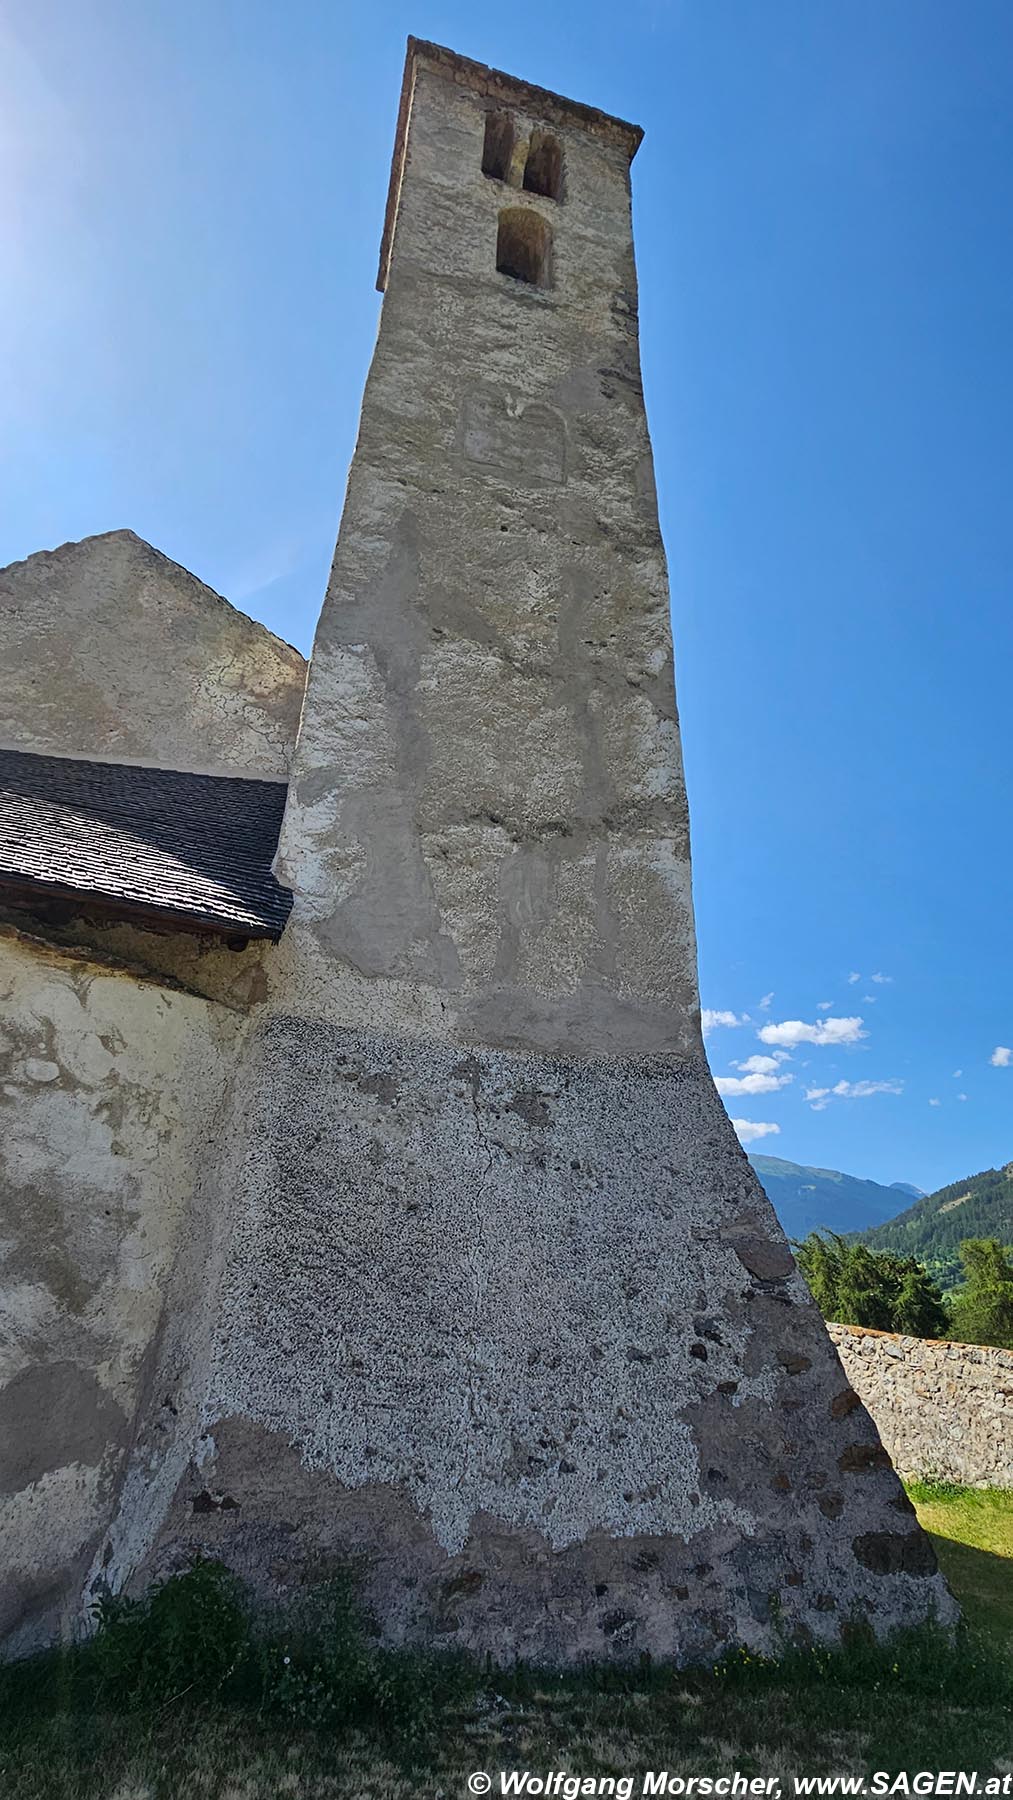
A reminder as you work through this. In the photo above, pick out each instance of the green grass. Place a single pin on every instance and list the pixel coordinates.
(972, 1530)
(921, 1704)
(760, 1722)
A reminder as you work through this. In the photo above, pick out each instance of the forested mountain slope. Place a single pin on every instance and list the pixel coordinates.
(932, 1229)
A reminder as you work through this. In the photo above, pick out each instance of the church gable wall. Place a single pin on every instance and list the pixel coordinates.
(114, 652)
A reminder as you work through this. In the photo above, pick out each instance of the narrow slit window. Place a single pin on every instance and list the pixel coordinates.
(498, 148)
(524, 247)
(543, 171)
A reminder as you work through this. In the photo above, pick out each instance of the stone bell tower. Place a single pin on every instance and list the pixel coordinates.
(502, 1313)
(488, 802)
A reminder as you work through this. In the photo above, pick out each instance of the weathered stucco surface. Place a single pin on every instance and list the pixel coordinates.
(112, 651)
(517, 1335)
(108, 1092)
(488, 801)
(943, 1410)
(443, 1257)
(115, 1045)
(502, 1312)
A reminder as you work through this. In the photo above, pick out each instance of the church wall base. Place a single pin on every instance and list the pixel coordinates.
(518, 1338)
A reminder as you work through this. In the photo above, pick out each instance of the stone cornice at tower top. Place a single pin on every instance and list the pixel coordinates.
(490, 84)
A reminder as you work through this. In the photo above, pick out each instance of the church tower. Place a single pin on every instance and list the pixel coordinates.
(501, 1313)
(488, 806)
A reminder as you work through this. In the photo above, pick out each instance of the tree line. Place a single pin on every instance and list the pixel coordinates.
(853, 1285)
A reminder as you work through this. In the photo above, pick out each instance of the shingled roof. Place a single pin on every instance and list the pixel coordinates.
(159, 845)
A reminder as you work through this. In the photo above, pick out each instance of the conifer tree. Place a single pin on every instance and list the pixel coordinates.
(854, 1285)
(982, 1308)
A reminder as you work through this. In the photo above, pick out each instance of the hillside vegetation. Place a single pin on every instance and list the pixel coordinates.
(857, 1286)
(933, 1229)
(854, 1285)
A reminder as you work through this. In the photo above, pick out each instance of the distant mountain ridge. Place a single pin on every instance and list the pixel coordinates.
(807, 1199)
(932, 1229)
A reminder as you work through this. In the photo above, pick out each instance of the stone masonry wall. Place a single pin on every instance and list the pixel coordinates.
(943, 1410)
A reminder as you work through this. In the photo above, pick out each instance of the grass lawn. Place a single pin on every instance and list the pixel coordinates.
(972, 1530)
(921, 1706)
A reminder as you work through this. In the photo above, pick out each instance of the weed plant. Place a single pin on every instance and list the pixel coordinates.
(195, 1638)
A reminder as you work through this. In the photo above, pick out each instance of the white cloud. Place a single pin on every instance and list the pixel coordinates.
(881, 979)
(711, 1019)
(935, 1103)
(819, 1098)
(860, 1090)
(748, 1130)
(750, 1084)
(824, 1031)
(824, 1006)
(1000, 1057)
(961, 1096)
(765, 1002)
(957, 1073)
(854, 976)
(762, 1065)
(869, 999)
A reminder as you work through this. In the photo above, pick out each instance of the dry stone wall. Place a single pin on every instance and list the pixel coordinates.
(943, 1410)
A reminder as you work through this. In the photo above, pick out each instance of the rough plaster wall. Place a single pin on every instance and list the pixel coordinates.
(108, 1089)
(943, 1410)
(516, 1336)
(502, 1312)
(112, 651)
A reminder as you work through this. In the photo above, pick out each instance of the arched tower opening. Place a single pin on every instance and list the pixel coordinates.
(498, 145)
(524, 246)
(543, 170)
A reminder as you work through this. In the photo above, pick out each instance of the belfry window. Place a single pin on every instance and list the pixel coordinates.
(543, 171)
(524, 246)
(498, 148)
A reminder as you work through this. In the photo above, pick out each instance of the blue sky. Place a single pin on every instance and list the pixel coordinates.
(190, 210)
